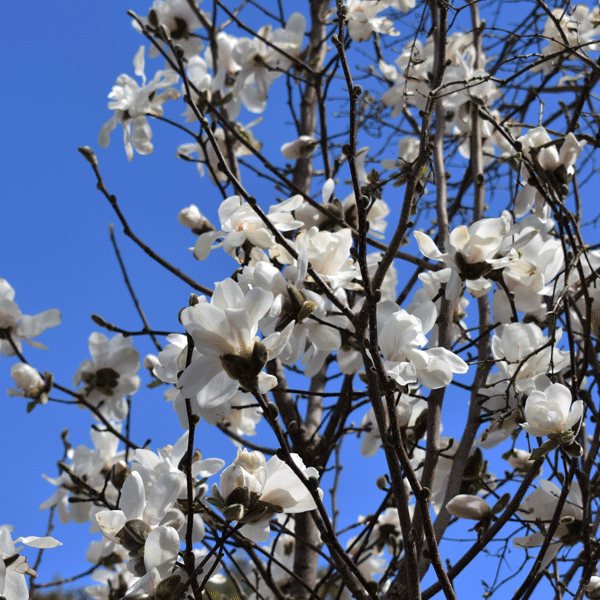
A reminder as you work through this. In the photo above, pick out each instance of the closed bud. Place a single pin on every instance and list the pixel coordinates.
(132, 536)
(237, 367)
(466, 506)
(382, 483)
(171, 587)
(501, 504)
(272, 411)
(163, 32)
(239, 495)
(179, 53)
(307, 309)
(119, 473)
(89, 155)
(296, 297)
(153, 18)
(192, 218)
(234, 513)
(259, 358)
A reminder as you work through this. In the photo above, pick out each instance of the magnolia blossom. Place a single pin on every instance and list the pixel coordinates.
(147, 520)
(539, 507)
(408, 151)
(90, 465)
(16, 326)
(464, 81)
(13, 566)
(328, 254)
(180, 20)
(231, 353)
(132, 103)
(472, 252)
(557, 165)
(362, 19)
(577, 29)
(529, 277)
(230, 149)
(407, 409)
(261, 63)
(240, 223)
(401, 338)
(550, 412)
(522, 352)
(110, 375)
(304, 146)
(387, 532)
(252, 490)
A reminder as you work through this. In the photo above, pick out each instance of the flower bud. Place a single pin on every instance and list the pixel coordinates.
(171, 587)
(465, 506)
(119, 473)
(133, 534)
(592, 589)
(192, 218)
(29, 381)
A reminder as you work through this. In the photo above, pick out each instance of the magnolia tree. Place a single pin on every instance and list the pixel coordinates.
(418, 242)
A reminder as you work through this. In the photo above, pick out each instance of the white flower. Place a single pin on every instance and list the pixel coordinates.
(521, 350)
(327, 252)
(90, 465)
(207, 154)
(132, 103)
(539, 507)
(240, 223)
(558, 165)
(14, 567)
(551, 411)
(16, 326)
(472, 252)
(401, 338)
(371, 441)
(252, 490)
(467, 506)
(362, 19)
(110, 375)
(408, 151)
(231, 353)
(147, 520)
(578, 27)
(261, 64)
(29, 381)
(304, 146)
(181, 20)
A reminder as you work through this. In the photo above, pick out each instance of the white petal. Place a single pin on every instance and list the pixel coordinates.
(38, 542)
(163, 494)
(161, 549)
